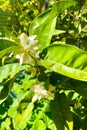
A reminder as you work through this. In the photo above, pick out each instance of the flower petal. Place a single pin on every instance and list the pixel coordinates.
(31, 38)
(20, 57)
(35, 97)
(24, 40)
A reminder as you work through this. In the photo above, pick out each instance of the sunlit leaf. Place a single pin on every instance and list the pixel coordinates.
(48, 121)
(5, 124)
(5, 90)
(8, 50)
(8, 73)
(21, 119)
(57, 32)
(43, 26)
(66, 60)
(38, 125)
(10, 70)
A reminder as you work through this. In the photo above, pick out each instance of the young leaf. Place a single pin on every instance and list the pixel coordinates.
(43, 26)
(61, 112)
(66, 60)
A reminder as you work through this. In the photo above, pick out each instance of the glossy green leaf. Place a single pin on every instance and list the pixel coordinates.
(43, 26)
(66, 60)
(6, 43)
(61, 112)
(10, 70)
(5, 89)
(39, 21)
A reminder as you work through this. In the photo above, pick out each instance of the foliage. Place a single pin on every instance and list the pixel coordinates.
(43, 83)
(22, 12)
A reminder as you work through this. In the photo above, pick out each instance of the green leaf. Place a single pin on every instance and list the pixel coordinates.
(5, 125)
(6, 43)
(43, 26)
(60, 6)
(45, 115)
(61, 112)
(39, 21)
(57, 32)
(8, 73)
(66, 60)
(5, 89)
(38, 125)
(10, 70)
(48, 121)
(8, 50)
(22, 119)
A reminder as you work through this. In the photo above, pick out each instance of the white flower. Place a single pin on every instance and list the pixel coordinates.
(29, 49)
(10, 55)
(26, 41)
(32, 40)
(20, 57)
(40, 93)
